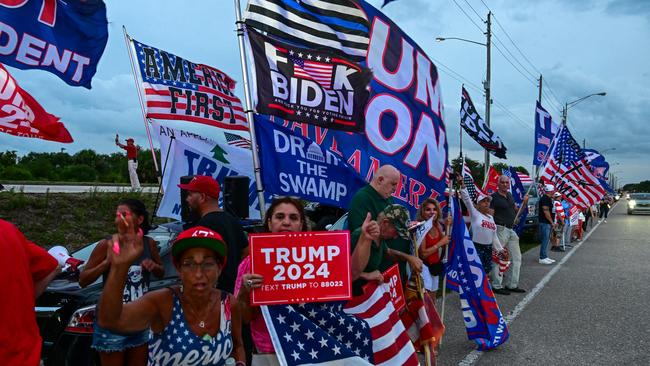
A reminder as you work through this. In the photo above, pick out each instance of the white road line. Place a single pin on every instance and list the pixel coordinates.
(474, 356)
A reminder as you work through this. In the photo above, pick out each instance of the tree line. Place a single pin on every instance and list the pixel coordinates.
(84, 166)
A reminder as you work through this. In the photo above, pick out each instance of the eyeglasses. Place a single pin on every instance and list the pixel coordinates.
(192, 266)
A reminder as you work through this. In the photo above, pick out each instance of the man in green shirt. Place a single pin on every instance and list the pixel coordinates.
(369, 245)
(372, 199)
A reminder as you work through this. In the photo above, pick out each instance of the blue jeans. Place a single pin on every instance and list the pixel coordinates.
(545, 235)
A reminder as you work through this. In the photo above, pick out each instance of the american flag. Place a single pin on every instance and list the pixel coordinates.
(177, 89)
(569, 171)
(236, 140)
(525, 179)
(472, 189)
(320, 72)
(365, 331)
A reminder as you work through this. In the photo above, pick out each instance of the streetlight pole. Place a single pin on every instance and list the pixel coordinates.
(568, 105)
(488, 101)
(486, 83)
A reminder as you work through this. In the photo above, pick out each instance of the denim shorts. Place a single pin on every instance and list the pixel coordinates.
(105, 340)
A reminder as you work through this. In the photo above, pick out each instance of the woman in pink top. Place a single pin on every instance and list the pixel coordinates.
(284, 214)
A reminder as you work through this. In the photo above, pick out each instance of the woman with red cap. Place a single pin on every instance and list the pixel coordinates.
(192, 323)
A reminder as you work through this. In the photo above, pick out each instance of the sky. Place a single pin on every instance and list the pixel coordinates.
(579, 46)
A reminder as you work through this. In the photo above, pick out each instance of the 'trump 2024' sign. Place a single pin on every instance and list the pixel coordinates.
(301, 267)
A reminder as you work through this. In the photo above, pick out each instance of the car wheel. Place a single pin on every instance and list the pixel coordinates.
(630, 212)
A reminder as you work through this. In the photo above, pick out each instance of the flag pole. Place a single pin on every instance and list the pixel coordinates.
(128, 41)
(420, 292)
(249, 107)
(446, 260)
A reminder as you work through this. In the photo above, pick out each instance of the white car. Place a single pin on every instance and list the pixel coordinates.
(638, 202)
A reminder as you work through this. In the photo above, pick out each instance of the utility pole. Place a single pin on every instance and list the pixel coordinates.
(539, 97)
(564, 112)
(488, 100)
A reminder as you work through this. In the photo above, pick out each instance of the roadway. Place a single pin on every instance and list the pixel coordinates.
(589, 308)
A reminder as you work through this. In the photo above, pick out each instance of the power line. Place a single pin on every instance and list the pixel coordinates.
(475, 12)
(514, 57)
(513, 65)
(468, 17)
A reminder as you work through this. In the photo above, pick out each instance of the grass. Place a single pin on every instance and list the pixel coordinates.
(72, 220)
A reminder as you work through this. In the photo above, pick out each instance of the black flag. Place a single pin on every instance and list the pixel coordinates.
(309, 86)
(477, 129)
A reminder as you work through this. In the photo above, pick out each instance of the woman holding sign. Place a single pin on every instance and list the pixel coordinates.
(432, 250)
(194, 323)
(285, 214)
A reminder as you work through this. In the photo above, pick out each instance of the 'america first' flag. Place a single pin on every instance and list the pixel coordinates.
(178, 89)
(364, 331)
(483, 319)
(568, 170)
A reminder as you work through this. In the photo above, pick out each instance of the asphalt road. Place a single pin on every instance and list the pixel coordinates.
(589, 308)
(34, 188)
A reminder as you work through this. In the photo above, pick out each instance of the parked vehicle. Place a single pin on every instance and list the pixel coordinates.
(322, 215)
(532, 221)
(638, 202)
(65, 312)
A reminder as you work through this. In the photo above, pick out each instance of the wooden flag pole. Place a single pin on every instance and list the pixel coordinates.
(249, 107)
(129, 48)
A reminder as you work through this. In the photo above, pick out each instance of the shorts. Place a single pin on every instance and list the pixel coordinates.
(431, 283)
(105, 340)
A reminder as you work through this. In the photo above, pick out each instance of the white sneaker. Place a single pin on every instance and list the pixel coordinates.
(551, 259)
(545, 261)
(605, 221)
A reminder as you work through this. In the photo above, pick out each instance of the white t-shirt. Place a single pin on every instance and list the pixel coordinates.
(484, 230)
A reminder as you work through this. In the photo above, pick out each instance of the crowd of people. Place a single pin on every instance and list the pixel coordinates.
(208, 318)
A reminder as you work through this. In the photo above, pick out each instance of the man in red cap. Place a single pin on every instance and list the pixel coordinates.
(203, 200)
(132, 156)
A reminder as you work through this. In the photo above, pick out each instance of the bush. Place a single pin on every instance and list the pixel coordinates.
(16, 173)
(78, 173)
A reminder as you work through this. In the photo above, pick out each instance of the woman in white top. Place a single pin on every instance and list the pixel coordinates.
(484, 230)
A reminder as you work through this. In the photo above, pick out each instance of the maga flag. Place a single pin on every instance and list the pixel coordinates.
(21, 115)
(307, 85)
(483, 319)
(491, 183)
(545, 130)
(474, 125)
(66, 38)
(175, 88)
(568, 170)
(364, 331)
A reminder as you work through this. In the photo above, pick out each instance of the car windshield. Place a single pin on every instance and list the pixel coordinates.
(532, 193)
(640, 196)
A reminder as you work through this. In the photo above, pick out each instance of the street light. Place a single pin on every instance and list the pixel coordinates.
(486, 85)
(571, 104)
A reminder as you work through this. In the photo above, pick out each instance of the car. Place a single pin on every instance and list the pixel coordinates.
(65, 312)
(322, 215)
(340, 224)
(532, 221)
(638, 202)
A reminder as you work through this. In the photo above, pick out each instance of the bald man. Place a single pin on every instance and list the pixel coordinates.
(373, 199)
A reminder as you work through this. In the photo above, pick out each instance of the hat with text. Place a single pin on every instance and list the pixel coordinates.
(398, 215)
(203, 184)
(200, 237)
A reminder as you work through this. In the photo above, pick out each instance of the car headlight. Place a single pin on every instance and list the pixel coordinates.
(631, 203)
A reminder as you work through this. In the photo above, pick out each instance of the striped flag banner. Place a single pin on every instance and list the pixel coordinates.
(178, 89)
(471, 186)
(525, 179)
(364, 331)
(335, 25)
(568, 170)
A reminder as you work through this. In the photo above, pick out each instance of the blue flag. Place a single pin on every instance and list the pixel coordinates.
(297, 166)
(66, 38)
(386, 3)
(518, 193)
(483, 319)
(545, 130)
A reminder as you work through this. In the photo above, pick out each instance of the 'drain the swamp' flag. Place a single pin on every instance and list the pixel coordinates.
(476, 128)
(364, 331)
(567, 168)
(484, 321)
(178, 89)
(307, 85)
(21, 115)
(66, 38)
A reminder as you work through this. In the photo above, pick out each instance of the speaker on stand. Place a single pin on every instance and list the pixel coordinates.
(235, 195)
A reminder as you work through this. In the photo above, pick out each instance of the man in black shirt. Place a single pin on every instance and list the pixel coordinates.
(203, 200)
(546, 222)
(505, 211)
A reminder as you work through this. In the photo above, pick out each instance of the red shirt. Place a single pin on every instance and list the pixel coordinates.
(21, 264)
(131, 151)
(430, 241)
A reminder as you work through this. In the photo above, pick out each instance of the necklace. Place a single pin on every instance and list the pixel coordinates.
(195, 315)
